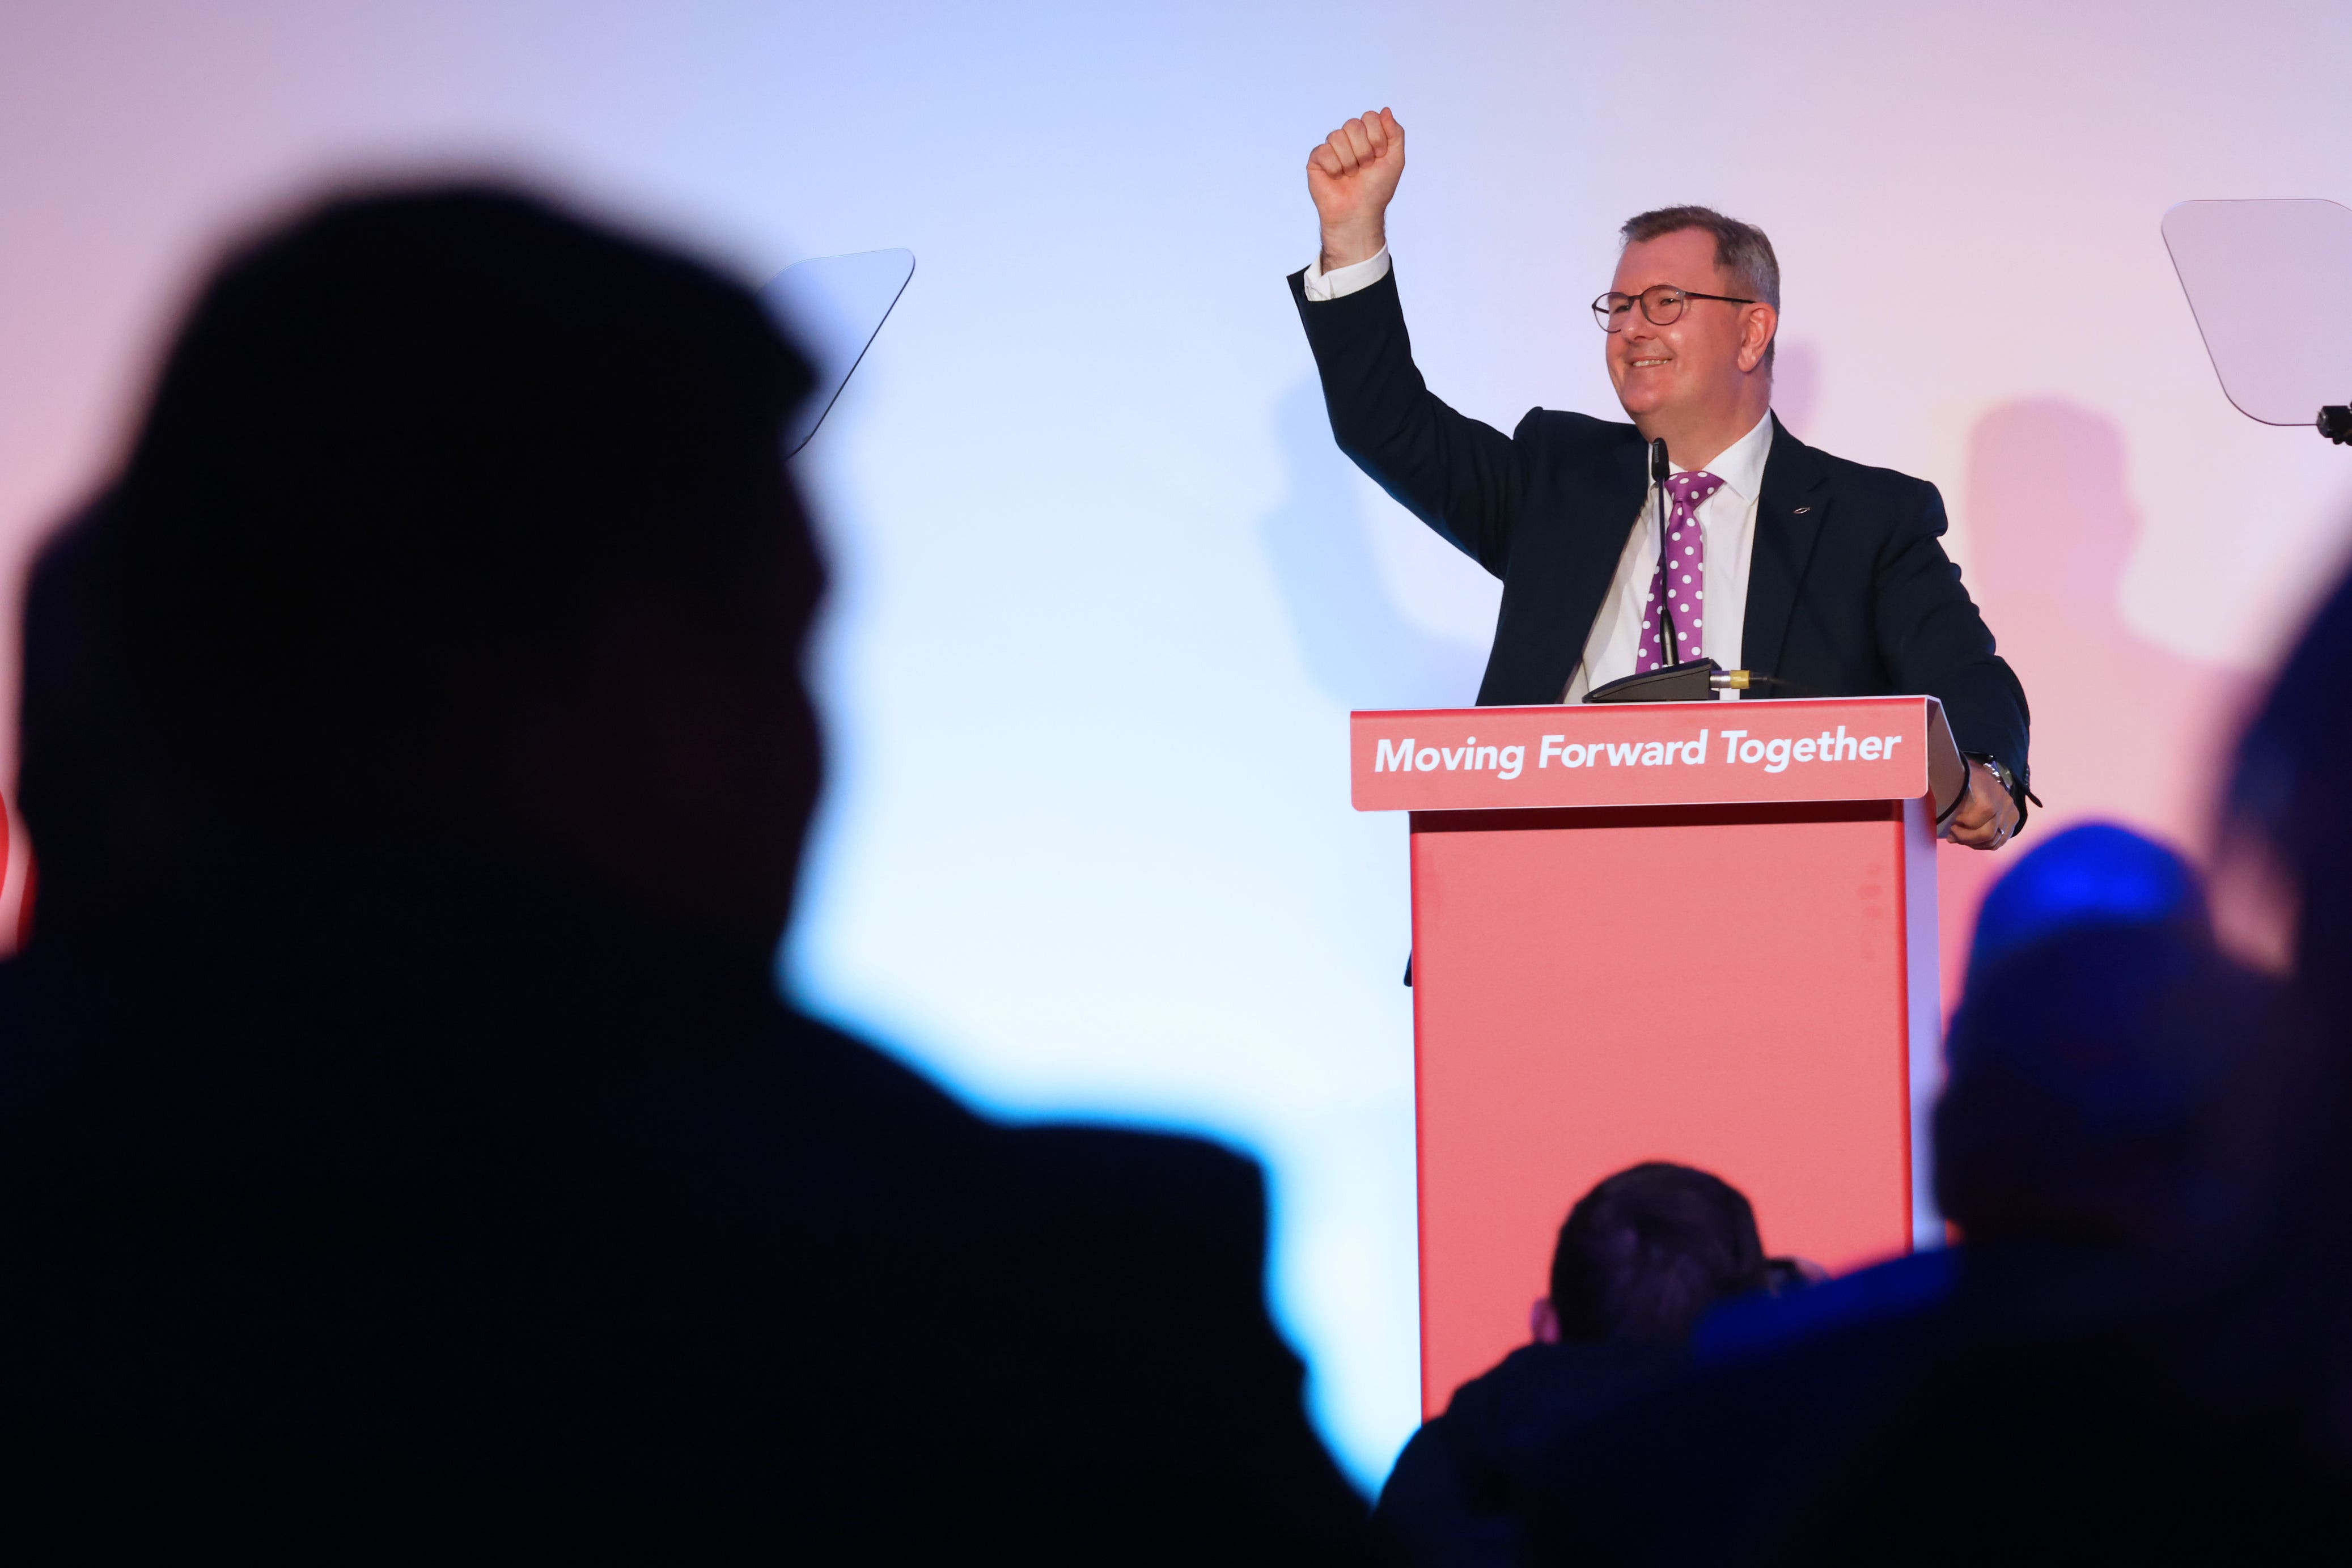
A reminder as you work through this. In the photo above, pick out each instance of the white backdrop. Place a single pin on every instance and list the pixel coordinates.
(1105, 592)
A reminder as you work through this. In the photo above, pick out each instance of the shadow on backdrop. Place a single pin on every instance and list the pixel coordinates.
(2124, 727)
(1358, 645)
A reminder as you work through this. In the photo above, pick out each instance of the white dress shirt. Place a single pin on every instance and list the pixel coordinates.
(1344, 280)
(1728, 518)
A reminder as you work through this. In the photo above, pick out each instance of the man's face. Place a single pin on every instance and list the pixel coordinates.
(1700, 362)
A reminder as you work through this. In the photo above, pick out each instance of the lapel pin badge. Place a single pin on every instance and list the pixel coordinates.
(1802, 510)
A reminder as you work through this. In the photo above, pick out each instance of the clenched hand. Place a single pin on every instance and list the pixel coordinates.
(1352, 176)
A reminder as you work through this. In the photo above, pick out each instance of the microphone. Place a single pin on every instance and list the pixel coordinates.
(1660, 470)
(1696, 682)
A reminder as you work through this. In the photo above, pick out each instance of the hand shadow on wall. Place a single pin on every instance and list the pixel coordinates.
(1356, 643)
(2124, 727)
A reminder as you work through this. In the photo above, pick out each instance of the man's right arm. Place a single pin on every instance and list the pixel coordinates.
(1457, 475)
(1342, 281)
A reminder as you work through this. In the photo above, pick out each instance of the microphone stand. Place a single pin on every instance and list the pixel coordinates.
(1660, 470)
(1673, 680)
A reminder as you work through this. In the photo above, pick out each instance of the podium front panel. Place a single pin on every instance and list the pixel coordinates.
(1736, 987)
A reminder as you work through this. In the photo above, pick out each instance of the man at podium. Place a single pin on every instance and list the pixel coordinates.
(1826, 575)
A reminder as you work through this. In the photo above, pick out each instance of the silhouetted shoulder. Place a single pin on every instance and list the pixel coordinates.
(1188, 1191)
(1145, 1208)
(869, 1072)
(1159, 1178)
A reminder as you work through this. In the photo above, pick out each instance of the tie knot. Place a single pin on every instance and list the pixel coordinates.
(1692, 489)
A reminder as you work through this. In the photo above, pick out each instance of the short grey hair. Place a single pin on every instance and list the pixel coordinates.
(1742, 251)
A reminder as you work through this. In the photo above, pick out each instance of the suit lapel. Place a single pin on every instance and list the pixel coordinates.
(1589, 564)
(1793, 504)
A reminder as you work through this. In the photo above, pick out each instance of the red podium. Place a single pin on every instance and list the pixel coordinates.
(1699, 931)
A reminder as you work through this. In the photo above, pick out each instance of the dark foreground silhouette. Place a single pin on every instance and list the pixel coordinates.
(1640, 1258)
(402, 1145)
(2113, 1360)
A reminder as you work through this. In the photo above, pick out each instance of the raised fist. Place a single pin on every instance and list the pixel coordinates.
(1352, 176)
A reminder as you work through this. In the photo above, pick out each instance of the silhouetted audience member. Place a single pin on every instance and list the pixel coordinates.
(402, 1143)
(2197, 1404)
(106, 824)
(1640, 1258)
(1645, 1253)
(2285, 1344)
(2098, 1070)
(2224, 1420)
(2099, 1145)
(1783, 1276)
(2089, 1096)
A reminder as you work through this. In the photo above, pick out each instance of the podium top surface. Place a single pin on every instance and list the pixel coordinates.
(1656, 753)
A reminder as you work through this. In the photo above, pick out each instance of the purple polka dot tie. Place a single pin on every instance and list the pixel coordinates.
(1680, 582)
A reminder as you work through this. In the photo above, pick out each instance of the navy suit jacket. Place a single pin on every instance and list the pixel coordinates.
(1849, 592)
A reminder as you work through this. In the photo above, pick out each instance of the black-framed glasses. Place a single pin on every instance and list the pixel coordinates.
(1661, 302)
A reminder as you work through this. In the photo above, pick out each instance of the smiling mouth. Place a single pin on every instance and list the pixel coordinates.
(1639, 363)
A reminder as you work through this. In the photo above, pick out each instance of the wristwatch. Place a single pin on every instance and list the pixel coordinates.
(2009, 781)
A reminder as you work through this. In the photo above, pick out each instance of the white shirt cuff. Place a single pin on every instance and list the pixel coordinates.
(1341, 281)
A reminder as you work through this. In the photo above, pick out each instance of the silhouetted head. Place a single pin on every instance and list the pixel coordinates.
(2047, 495)
(1644, 1254)
(2093, 874)
(453, 511)
(85, 785)
(2288, 794)
(2103, 1063)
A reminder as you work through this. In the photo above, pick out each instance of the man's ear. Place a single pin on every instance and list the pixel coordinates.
(1757, 325)
(1543, 1322)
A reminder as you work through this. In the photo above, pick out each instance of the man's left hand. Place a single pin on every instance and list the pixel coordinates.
(1987, 817)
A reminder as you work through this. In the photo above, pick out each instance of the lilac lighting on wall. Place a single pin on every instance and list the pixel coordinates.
(1086, 522)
